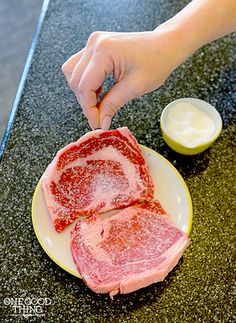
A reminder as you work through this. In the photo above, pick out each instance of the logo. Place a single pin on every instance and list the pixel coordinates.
(29, 306)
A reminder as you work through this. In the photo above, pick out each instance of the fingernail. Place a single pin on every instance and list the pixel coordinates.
(63, 68)
(92, 126)
(106, 122)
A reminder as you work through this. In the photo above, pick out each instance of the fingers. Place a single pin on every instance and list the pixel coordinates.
(78, 70)
(91, 111)
(68, 66)
(85, 73)
(114, 99)
(88, 87)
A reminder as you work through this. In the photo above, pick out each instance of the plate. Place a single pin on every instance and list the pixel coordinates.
(170, 190)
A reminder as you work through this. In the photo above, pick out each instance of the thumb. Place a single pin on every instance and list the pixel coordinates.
(114, 99)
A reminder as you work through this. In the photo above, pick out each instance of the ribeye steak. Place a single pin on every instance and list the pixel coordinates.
(103, 170)
(128, 250)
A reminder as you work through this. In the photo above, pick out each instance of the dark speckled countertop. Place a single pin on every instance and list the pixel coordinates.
(202, 287)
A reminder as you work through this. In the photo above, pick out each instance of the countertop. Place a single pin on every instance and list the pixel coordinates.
(202, 287)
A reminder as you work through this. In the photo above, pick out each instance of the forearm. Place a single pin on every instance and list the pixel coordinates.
(199, 23)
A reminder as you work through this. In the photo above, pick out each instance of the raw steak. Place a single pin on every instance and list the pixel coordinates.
(103, 170)
(128, 250)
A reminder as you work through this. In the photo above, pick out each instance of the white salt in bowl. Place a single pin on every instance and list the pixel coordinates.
(175, 143)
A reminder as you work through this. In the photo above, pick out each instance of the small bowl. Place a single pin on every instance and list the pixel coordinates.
(206, 108)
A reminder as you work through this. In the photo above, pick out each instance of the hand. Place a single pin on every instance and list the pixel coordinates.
(140, 63)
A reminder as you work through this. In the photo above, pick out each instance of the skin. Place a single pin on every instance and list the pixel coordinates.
(141, 62)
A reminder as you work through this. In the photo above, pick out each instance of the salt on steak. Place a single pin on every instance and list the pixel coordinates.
(103, 170)
(128, 250)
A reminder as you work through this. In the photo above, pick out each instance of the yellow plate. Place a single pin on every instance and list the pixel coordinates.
(170, 190)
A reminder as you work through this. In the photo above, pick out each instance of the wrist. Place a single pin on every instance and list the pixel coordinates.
(198, 24)
(171, 39)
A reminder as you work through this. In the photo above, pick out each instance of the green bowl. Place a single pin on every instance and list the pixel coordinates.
(206, 108)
